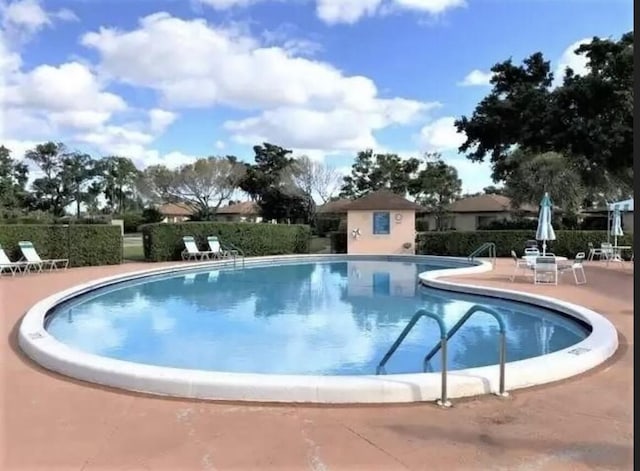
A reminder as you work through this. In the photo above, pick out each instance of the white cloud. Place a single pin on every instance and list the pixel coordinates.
(160, 120)
(476, 78)
(440, 135)
(578, 63)
(23, 18)
(346, 11)
(302, 102)
(220, 145)
(226, 4)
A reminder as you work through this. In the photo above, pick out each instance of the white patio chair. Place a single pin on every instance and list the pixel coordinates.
(216, 248)
(520, 264)
(531, 251)
(30, 254)
(192, 252)
(594, 252)
(607, 250)
(6, 265)
(545, 270)
(577, 268)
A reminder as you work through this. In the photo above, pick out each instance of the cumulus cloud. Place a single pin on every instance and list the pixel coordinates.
(300, 102)
(23, 18)
(569, 59)
(476, 78)
(440, 135)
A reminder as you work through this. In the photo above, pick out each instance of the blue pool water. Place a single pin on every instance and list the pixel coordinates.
(324, 318)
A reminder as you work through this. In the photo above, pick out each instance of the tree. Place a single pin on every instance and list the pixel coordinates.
(78, 171)
(119, 175)
(587, 118)
(435, 187)
(371, 172)
(270, 181)
(316, 177)
(203, 185)
(13, 180)
(537, 174)
(52, 191)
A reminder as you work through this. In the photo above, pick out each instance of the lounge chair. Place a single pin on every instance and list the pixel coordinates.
(545, 270)
(520, 264)
(6, 265)
(192, 252)
(577, 268)
(30, 254)
(227, 248)
(216, 247)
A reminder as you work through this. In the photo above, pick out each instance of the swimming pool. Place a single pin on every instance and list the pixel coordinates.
(324, 318)
(306, 329)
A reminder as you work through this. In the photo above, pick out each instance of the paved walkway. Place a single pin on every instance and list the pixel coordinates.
(54, 423)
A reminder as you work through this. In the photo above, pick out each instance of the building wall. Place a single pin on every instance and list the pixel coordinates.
(175, 219)
(402, 229)
(470, 221)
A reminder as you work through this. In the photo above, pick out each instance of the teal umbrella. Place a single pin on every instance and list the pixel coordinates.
(545, 229)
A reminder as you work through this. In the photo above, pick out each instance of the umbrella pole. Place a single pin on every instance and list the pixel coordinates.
(544, 248)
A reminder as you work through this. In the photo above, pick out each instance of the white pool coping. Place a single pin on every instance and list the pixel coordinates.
(45, 350)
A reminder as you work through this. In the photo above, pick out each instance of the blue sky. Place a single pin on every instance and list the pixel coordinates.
(167, 81)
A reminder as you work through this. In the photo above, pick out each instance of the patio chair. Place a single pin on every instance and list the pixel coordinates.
(545, 270)
(607, 250)
(192, 252)
(593, 252)
(30, 254)
(577, 268)
(520, 264)
(6, 265)
(227, 248)
(216, 247)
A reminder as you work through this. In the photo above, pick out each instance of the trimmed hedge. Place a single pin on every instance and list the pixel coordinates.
(163, 242)
(338, 242)
(83, 245)
(461, 244)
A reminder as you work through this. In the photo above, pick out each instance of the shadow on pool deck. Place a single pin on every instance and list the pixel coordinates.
(56, 423)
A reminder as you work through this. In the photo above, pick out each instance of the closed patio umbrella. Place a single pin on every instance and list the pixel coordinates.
(616, 226)
(545, 229)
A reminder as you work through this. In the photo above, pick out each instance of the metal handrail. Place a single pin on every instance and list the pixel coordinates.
(230, 248)
(456, 327)
(487, 245)
(443, 402)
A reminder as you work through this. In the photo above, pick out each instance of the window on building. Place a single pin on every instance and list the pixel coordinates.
(381, 223)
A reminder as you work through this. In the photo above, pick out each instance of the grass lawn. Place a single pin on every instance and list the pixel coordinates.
(134, 253)
(320, 244)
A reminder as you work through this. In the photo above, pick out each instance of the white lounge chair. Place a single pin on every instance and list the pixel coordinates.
(545, 270)
(577, 268)
(520, 264)
(192, 252)
(216, 248)
(6, 265)
(30, 254)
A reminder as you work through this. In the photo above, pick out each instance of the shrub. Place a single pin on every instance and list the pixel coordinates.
(164, 241)
(83, 245)
(151, 215)
(131, 221)
(338, 242)
(422, 224)
(326, 224)
(462, 243)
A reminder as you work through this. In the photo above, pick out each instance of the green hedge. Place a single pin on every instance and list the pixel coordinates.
(83, 245)
(338, 242)
(164, 241)
(461, 244)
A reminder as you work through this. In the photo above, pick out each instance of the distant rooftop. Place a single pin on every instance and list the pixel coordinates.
(382, 200)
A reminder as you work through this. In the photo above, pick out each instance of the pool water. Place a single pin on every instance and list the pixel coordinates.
(325, 318)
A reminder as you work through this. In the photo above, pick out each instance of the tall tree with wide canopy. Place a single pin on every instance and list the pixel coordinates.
(14, 175)
(52, 191)
(372, 172)
(588, 118)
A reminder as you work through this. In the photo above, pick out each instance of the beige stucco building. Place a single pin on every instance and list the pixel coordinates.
(381, 223)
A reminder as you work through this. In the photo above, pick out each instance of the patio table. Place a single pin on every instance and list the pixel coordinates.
(617, 253)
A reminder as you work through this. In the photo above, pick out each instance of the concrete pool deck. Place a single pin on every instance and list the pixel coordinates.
(52, 422)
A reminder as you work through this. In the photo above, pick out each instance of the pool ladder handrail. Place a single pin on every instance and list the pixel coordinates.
(502, 339)
(490, 246)
(234, 251)
(442, 346)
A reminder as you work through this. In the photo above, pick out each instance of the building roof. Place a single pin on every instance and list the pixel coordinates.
(334, 207)
(245, 208)
(175, 209)
(487, 204)
(383, 200)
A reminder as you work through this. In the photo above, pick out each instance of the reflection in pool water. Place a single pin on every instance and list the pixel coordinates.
(305, 318)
